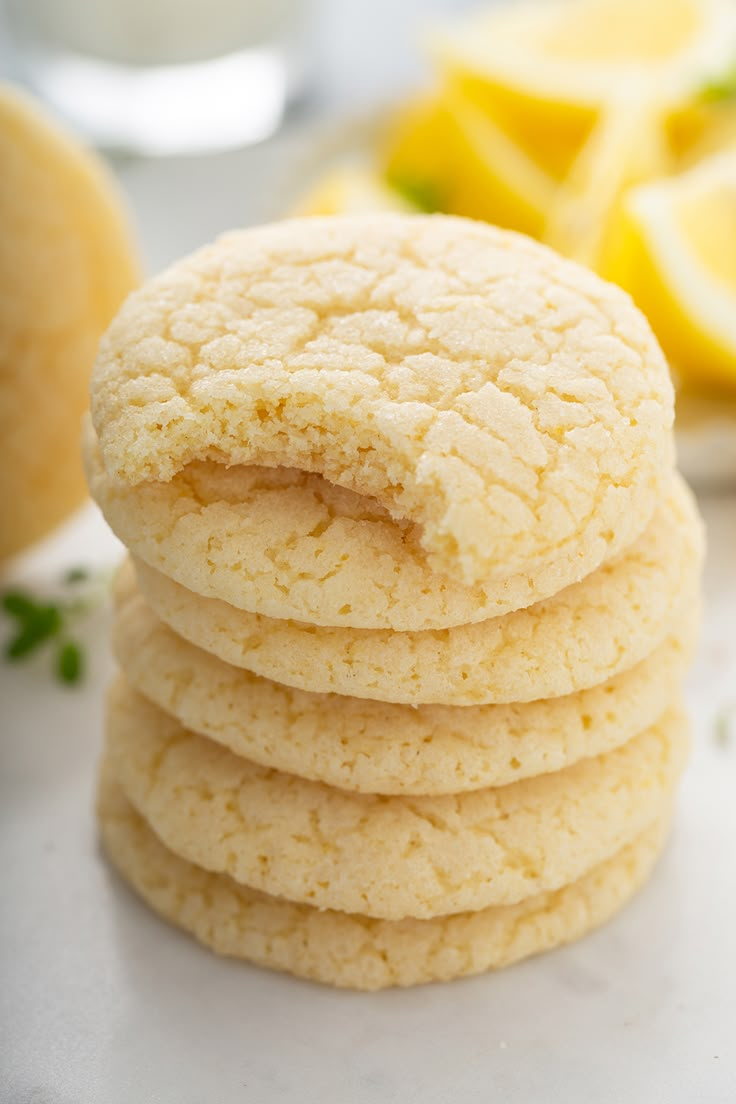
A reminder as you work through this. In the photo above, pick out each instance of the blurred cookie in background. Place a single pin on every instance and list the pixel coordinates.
(67, 260)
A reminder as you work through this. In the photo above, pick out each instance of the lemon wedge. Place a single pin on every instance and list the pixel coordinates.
(545, 70)
(700, 129)
(415, 153)
(626, 147)
(452, 152)
(674, 249)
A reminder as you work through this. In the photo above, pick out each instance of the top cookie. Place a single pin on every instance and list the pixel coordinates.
(509, 402)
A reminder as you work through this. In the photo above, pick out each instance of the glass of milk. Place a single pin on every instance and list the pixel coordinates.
(165, 76)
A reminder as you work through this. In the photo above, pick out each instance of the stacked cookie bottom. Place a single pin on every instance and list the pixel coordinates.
(371, 807)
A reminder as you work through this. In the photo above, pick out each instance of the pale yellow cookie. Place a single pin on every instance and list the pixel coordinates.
(388, 857)
(373, 747)
(579, 638)
(288, 544)
(510, 402)
(358, 952)
(66, 262)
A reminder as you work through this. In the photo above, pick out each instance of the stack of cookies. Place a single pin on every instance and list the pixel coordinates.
(411, 594)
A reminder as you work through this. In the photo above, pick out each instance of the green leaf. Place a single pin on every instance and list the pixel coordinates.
(17, 604)
(37, 628)
(70, 663)
(720, 88)
(424, 194)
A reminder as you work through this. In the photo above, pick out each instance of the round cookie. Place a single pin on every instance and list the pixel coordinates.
(66, 262)
(579, 638)
(510, 402)
(375, 747)
(358, 952)
(388, 857)
(288, 544)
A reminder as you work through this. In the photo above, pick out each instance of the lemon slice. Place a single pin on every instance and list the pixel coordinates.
(415, 152)
(675, 250)
(452, 152)
(626, 146)
(351, 189)
(551, 138)
(547, 68)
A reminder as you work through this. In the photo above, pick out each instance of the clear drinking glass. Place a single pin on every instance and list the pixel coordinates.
(165, 76)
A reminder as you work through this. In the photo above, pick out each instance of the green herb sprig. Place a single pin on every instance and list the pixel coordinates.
(722, 87)
(45, 623)
(425, 195)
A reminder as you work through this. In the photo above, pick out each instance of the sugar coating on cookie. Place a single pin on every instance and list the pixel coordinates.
(377, 747)
(577, 639)
(288, 544)
(389, 857)
(508, 401)
(67, 260)
(353, 951)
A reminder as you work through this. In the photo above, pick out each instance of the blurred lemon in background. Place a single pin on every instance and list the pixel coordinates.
(704, 126)
(625, 147)
(546, 70)
(553, 117)
(455, 157)
(66, 262)
(675, 250)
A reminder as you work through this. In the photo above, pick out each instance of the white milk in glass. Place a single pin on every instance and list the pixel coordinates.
(165, 75)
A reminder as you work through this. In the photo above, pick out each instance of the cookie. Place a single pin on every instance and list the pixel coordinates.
(66, 262)
(353, 951)
(374, 747)
(388, 857)
(510, 402)
(579, 638)
(288, 544)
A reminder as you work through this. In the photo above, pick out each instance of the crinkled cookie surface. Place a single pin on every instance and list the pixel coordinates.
(389, 857)
(377, 747)
(288, 544)
(579, 638)
(509, 402)
(353, 951)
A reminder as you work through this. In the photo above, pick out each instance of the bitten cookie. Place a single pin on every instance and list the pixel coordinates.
(375, 747)
(510, 402)
(67, 260)
(579, 638)
(353, 951)
(288, 544)
(388, 857)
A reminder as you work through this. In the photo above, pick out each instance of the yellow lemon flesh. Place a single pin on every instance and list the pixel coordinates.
(702, 128)
(675, 251)
(66, 263)
(545, 69)
(450, 151)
